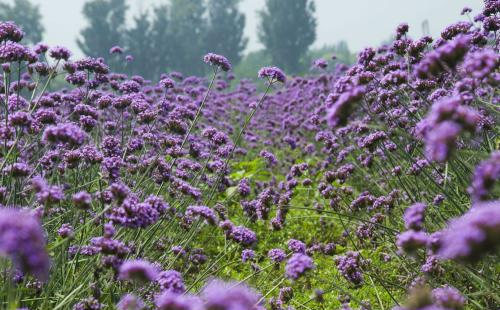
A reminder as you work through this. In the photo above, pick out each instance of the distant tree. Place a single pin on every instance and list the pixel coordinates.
(251, 63)
(287, 29)
(225, 29)
(138, 43)
(187, 29)
(26, 15)
(106, 27)
(162, 43)
(340, 50)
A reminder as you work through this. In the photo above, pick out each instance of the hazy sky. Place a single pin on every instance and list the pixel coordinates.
(360, 22)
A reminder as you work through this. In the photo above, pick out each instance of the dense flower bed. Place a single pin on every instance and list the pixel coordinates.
(364, 187)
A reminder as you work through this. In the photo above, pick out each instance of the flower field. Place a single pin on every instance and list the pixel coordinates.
(371, 186)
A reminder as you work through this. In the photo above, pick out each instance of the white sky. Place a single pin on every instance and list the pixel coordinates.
(359, 22)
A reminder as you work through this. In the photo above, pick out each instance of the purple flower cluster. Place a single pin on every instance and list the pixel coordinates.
(338, 113)
(297, 265)
(446, 121)
(468, 237)
(444, 58)
(22, 240)
(349, 265)
(273, 74)
(485, 176)
(66, 133)
(171, 281)
(217, 61)
(124, 172)
(138, 270)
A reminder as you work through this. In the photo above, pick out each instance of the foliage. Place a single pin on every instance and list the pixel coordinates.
(26, 15)
(106, 26)
(224, 34)
(287, 29)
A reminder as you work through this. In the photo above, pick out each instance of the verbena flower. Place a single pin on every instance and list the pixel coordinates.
(349, 265)
(65, 133)
(297, 265)
(485, 176)
(218, 295)
(138, 270)
(171, 301)
(172, 281)
(470, 236)
(22, 240)
(217, 61)
(9, 31)
(273, 74)
(59, 53)
(130, 302)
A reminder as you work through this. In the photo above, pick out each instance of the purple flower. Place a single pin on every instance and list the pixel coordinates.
(447, 119)
(414, 216)
(219, 295)
(320, 63)
(402, 30)
(167, 83)
(453, 30)
(171, 301)
(444, 58)
(130, 302)
(242, 235)
(12, 52)
(138, 270)
(269, 157)
(60, 53)
(46, 194)
(296, 246)
(90, 303)
(448, 297)
(276, 255)
(134, 214)
(65, 231)
(116, 50)
(217, 61)
(410, 241)
(66, 133)
(244, 187)
(366, 55)
(468, 237)
(349, 265)
(440, 141)
(338, 113)
(481, 64)
(82, 200)
(171, 281)
(466, 10)
(247, 255)
(9, 31)
(297, 265)
(18, 170)
(202, 211)
(485, 176)
(273, 74)
(22, 239)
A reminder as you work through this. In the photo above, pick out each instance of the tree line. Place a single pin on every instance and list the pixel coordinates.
(175, 35)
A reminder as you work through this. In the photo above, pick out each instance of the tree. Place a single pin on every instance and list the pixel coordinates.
(225, 29)
(287, 29)
(161, 40)
(26, 15)
(187, 29)
(106, 25)
(138, 43)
